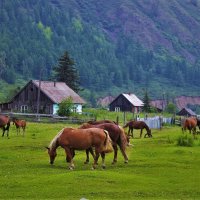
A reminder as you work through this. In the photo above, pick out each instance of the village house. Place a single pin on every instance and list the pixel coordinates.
(186, 112)
(126, 103)
(50, 95)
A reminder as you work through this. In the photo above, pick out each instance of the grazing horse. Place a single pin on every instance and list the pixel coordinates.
(19, 124)
(5, 124)
(101, 122)
(117, 136)
(190, 124)
(138, 125)
(80, 139)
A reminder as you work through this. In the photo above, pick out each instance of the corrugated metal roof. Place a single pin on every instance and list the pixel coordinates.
(133, 99)
(58, 91)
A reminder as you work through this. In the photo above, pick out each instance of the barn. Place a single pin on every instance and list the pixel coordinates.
(186, 112)
(49, 93)
(126, 102)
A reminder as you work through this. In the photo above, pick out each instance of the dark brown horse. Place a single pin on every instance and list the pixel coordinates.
(117, 136)
(190, 124)
(19, 124)
(101, 122)
(80, 139)
(5, 124)
(138, 125)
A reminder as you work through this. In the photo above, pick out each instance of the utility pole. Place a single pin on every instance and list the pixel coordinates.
(38, 96)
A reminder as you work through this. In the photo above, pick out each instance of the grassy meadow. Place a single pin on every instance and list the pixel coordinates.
(157, 168)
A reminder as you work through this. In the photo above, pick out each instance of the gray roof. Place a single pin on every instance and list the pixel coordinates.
(133, 99)
(58, 91)
(188, 110)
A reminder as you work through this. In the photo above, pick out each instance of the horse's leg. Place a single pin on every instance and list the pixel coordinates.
(72, 154)
(96, 158)
(141, 132)
(132, 132)
(115, 153)
(124, 154)
(68, 151)
(87, 156)
(129, 130)
(103, 160)
(3, 131)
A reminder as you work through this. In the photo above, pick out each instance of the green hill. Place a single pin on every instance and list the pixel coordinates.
(118, 45)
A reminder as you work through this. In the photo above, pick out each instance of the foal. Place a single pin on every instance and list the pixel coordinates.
(19, 124)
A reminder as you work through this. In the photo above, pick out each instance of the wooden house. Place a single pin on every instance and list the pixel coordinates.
(186, 112)
(126, 102)
(46, 94)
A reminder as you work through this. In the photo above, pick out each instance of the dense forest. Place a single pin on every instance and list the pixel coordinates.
(117, 45)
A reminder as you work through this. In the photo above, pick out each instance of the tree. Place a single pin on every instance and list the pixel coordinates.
(146, 102)
(66, 72)
(171, 108)
(65, 107)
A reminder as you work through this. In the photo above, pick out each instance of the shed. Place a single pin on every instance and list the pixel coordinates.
(126, 102)
(50, 95)
(186, 112)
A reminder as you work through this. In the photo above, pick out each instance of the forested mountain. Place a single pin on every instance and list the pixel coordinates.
(117, 45)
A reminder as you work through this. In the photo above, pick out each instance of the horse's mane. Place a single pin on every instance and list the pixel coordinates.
(53, 144)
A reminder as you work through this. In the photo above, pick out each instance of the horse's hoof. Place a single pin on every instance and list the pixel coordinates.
(126, 161)
(71, 168)
(113, 162)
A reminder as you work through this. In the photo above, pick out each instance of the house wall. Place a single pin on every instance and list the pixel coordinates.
(122, 104)
(26, 101)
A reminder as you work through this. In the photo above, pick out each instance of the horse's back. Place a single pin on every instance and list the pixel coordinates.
(82, 138)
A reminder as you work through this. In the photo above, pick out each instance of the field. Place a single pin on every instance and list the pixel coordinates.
(157, 169)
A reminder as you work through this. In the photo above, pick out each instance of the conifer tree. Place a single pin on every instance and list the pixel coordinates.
(66, 72)
(146, 102)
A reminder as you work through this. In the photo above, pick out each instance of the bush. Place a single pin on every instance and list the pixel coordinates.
(185, 140)
(65, 107)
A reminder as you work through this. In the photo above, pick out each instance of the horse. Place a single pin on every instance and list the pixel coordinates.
(190, 123)
(101, 122)
(81, 139)
(19, 124)
(117, 136)
(5, 124)
(138, 125)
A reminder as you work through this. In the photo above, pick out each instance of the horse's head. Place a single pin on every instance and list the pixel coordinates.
(52, 155)
(149, 133)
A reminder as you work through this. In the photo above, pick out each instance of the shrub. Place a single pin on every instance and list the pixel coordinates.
(185, 140)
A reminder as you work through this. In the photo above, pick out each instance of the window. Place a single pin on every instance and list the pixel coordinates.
(117, 109)
(24, 108)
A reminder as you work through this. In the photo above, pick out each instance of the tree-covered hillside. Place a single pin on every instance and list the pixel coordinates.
(117, 45)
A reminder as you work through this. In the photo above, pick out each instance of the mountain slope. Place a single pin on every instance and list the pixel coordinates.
(118, 45)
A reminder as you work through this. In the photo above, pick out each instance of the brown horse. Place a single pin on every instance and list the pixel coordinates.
(138, 125)
(190, 124)
(5, 124)
(19, 124)
(101, 122)
(78, 139)
(117, 136)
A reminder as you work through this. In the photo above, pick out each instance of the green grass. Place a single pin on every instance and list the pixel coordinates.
(157, 169)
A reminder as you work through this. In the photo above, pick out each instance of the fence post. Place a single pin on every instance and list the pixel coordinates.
(117, 120)
(124, 117)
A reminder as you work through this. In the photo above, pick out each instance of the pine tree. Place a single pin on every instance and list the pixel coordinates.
(66, 72)
(146, 102)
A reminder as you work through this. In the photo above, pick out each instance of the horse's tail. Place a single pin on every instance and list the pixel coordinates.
(123, 139)
(107, 143)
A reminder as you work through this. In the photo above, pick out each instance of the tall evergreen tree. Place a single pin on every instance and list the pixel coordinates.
(66, 72)
(146, 102)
